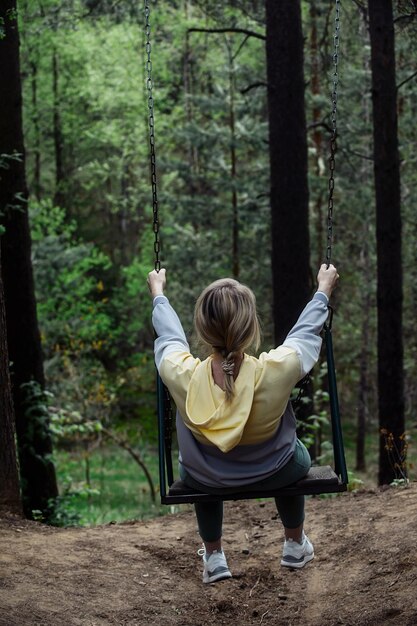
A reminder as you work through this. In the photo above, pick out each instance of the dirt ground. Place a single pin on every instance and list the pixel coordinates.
(145, 573)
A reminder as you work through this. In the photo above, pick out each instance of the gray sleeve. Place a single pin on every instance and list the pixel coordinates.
(168, 328)
(304, 337)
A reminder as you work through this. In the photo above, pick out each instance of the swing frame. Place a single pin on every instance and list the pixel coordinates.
(320, 479)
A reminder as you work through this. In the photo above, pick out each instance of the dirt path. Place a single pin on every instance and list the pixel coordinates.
(145, 573)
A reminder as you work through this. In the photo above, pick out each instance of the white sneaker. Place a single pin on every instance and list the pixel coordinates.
(215, 566)
(297, 554)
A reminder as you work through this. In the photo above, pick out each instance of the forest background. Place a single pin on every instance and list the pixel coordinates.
(87, 166)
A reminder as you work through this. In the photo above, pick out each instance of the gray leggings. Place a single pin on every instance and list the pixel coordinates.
(290, 508)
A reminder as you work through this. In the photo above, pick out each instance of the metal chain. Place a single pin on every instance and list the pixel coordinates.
(302, 389)
(333, 137)
(168, 411)
(151, 122)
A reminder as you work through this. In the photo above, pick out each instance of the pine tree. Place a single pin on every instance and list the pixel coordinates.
(388, 230)
(34, 442)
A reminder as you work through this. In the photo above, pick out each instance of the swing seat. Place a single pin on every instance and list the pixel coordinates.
(320, 479)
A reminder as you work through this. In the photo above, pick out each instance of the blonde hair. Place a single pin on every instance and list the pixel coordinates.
(225, 318)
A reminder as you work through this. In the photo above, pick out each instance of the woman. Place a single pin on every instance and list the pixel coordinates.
(235, 424)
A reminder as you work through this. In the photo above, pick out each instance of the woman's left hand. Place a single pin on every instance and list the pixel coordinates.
(157, 282)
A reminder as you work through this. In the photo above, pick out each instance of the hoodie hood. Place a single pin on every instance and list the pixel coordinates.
(221, 423)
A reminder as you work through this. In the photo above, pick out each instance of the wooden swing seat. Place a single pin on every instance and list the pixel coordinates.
(320, 479)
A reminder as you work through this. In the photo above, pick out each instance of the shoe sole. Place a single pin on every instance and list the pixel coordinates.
(299, 564)
(216, 577)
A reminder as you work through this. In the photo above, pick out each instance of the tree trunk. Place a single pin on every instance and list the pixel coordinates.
(388, 228)
(288, 164)
(36, 470)
(363, 390)
(288, 171)
(367, 274)
(9, 476)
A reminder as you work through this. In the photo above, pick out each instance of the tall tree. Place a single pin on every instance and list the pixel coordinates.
(288, 163)
(388, 231)
(291, 277)
(34, 443)
(9, 476)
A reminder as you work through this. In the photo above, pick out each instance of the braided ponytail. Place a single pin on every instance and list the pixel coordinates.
(228, 367)
(225, 319)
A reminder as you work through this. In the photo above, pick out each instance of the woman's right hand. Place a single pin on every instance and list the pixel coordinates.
(327, 279)
(157, 282)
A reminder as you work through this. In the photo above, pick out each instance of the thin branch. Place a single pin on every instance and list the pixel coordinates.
(326, 27)
(407, 80)
(361, 6)
(320, 125)
(264, 615)
(409, 17)
(123, 444)
(96, 5)
(358, 154)
(254, 586)
(234, 56)
(242, 31)
(253, 86)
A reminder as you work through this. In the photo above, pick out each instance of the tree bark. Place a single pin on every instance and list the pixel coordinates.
(288, 173)
(388, 229)
(363, 389)
(34, 443)
(288, 164)
(9, 476)
(367, 273)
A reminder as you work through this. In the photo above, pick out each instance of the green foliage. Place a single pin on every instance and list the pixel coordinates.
(87, 487)
(34, 401)
(35, 404)
(355, 483)
(71, 426)
(92, 253)
(11, 16)
(91, 329)
(71, 276)
(63, 510)
(313, 429)
(400, 483)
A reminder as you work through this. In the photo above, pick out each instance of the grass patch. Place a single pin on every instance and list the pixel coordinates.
(106, 486)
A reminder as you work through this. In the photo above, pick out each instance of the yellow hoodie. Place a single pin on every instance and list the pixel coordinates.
(262, 389)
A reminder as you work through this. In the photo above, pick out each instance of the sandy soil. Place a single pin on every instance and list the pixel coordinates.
(144, 573)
